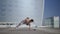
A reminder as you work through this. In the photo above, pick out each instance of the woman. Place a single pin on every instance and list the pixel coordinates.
(26, 21)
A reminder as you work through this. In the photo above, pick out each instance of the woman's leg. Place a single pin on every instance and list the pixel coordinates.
(18, 25)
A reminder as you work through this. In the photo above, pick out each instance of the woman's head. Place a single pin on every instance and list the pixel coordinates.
(31, 20)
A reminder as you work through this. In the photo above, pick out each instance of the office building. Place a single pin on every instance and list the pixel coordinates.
(53, 22)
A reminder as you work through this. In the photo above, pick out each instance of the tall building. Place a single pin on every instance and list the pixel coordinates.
(17, 10)
(53, 22)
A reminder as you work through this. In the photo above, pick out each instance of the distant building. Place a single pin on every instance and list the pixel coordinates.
(53, 22)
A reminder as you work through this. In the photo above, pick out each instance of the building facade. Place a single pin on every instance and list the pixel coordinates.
(53, 22)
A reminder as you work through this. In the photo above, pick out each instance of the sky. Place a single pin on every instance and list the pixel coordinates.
(17, 10)
(51, 8)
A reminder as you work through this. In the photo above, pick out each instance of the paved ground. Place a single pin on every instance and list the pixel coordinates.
(27, 31)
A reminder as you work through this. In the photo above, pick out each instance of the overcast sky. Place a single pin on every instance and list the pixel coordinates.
(17, 10)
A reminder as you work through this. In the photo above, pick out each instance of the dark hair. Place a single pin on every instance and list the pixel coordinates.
(32, 20)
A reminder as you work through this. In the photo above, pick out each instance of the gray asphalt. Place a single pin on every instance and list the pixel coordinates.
(27, 31)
